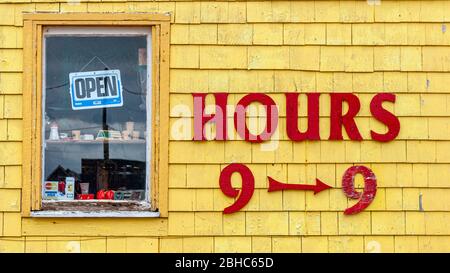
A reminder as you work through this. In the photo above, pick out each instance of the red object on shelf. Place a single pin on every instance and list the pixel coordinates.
(62, 186)
(101, 194)
(85, 196)
(109, 195)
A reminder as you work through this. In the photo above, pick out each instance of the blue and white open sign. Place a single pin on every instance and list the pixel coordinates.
(95, 89)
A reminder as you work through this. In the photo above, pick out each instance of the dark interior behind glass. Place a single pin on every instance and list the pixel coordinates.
(117, 165)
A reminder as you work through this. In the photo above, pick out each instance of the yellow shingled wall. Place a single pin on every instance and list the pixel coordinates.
(272, 47)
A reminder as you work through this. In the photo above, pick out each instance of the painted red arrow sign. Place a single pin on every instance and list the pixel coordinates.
(277, 186)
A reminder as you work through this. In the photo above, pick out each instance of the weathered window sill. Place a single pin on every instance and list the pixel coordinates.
(95, 214)
(95, 205)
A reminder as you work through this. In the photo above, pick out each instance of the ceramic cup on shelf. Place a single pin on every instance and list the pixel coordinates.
(54, 135)
(135, 134)
(125, 135)
(129, 125)
(76, 134)
(84, 188)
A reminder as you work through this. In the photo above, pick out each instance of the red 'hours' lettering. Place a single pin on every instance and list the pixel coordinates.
(338, 119)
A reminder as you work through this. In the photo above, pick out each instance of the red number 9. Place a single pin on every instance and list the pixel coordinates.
(248, 186)
(370, 188)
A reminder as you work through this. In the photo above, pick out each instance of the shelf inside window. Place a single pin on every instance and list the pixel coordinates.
(109, 141)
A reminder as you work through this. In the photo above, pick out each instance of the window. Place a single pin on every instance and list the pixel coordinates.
(97, 132)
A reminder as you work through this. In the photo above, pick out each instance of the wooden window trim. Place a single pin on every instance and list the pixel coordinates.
(32, 94)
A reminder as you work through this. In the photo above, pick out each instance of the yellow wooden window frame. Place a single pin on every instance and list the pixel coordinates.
(32, 94)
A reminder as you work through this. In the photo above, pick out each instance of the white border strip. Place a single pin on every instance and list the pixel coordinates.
(96, 31)
(90, 31)
(95, 214)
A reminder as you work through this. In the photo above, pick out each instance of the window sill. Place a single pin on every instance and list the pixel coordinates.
(90, 206)
(95, 214)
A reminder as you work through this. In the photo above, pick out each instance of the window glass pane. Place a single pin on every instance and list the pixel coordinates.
(88, 152)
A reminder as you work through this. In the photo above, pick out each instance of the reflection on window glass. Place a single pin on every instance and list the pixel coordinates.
(95, 153)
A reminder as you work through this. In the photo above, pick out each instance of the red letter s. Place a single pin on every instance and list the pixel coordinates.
(384, 116)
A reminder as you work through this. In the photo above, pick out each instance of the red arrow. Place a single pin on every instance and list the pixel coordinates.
(278, 186)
